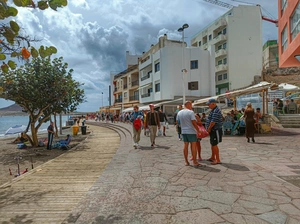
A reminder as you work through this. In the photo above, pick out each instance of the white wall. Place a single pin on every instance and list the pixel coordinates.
(244, 46)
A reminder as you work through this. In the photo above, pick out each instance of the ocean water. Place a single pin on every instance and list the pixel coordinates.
(8, 121)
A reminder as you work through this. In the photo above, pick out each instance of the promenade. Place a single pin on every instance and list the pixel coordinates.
(256, 182)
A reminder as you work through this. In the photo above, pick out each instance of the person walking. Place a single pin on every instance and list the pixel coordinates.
(50, 130)
(152, 123)
(214, 128)
(136, 119)
(250, 122)
(189, 131)
(177, 122)
(163, 120)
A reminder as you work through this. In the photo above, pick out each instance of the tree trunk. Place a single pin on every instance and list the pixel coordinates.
(34, 135)
(55, 125)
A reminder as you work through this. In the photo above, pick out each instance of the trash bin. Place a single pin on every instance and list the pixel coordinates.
(75, 130)
(83, 130)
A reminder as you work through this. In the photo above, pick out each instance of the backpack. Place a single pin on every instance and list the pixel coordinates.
(137, 124)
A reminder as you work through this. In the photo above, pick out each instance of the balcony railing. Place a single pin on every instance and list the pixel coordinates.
(132, 98)
(220, 53)
(145, 77)
(135, 83)
(118, 101)
(145, 95)
(221, 67)
(125, 86)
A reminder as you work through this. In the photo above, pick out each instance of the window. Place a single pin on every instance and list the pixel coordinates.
(157, 87)
(284, 39)
(219, 77)
(209, 37)
(219, 62)
(225, 76)
(283, 6)
(219, 47)
(219, 33)
(125, 94)
(194, 64)
(149, 73)
(199, 43)
(224, 45)
(225, 61)
(193, 85)
(295, 22)
(224, 31)
(157, 67)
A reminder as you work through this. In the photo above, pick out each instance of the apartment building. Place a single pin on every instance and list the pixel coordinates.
(288, 33)
(125, 85)
(237, 38)
(161, 77)
(270, 54)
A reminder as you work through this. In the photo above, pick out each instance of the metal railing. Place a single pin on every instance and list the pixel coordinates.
(145, 95)
(135, 83)
(145, 77)
(118, 100)
(132, 98)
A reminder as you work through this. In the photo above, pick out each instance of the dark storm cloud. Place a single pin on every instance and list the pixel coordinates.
(106, 46)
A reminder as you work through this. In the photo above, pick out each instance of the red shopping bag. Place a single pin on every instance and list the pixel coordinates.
(203, 133)
(137, 124)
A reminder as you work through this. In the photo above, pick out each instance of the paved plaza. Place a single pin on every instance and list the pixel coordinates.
(256, 183)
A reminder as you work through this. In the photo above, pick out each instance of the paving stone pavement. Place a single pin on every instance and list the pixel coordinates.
(153, 185)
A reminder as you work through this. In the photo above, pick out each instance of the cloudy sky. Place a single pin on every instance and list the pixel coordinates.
(93, 35)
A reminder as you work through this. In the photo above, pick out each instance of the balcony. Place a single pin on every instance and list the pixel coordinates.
(135, 83)
(220, 53)
(125, 86)
(118, 101)
(221, 23)
(221, 67)
(133, 98)
(219, 38)
(145, 77)
(145, 95)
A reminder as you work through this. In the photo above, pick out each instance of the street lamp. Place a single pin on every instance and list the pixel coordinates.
(183, 70)
(102, 99)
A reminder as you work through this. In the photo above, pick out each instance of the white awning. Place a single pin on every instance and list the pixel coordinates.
(129, 109)
(252, 89)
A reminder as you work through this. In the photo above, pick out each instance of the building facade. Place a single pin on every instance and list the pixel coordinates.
(270, 54)
(288, 33)
(161, 77)
(237, 38)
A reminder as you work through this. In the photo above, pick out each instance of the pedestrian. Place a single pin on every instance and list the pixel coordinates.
(163, 120)
(189, 131)
(214, 128)
(50, 130)
(177, 122)
(152, 123)
(136, 120)
(250, 122)
(198, 143)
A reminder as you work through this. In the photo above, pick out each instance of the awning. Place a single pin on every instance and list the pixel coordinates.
(144, 86)
(129, 109)
(252, 89)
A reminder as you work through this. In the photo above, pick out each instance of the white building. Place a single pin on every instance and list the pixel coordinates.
(160, 73)
(237, 37)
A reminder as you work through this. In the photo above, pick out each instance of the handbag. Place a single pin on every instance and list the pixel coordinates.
(203, 133)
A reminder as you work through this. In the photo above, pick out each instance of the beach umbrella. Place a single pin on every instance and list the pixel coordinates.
(15, 129)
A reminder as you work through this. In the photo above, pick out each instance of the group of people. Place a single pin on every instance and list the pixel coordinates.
(290, 107)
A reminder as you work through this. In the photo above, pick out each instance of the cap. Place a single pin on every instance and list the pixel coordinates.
(212, 100)
(151, 105)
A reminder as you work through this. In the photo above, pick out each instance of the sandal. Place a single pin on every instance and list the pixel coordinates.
(197, 165)
(187, 164)
(210, 160)
(215, 163)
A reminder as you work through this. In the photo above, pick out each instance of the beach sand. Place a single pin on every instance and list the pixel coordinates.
(32, 156)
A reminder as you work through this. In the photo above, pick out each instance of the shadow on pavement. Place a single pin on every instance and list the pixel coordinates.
(235, 167)
(207, 168)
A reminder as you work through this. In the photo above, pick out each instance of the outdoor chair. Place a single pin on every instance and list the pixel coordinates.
(64, 144)
(227, 126)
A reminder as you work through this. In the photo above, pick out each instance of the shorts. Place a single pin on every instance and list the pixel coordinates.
(189, 137)
(215, 137)
(162, 124)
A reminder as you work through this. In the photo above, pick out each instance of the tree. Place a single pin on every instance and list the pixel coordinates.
(42, 87)
(14, 44)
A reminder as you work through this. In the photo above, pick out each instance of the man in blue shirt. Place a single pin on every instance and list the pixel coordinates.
(214, 128)
(136, 120)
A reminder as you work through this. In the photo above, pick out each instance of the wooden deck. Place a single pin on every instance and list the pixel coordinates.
(48, 193)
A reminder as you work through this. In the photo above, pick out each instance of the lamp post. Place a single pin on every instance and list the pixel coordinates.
(183, 70)
(102, 99)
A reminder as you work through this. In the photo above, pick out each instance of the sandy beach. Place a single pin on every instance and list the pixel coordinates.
(32, 156)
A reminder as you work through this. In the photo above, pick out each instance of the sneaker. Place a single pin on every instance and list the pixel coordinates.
(179, 139)
(135, 145)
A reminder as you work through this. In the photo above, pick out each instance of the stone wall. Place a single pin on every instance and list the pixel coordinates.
(282, 75)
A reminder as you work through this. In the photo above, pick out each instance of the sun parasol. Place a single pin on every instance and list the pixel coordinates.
(15, 129)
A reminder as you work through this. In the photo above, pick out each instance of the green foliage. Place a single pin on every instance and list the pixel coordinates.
(42, 87)
(10, 39)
